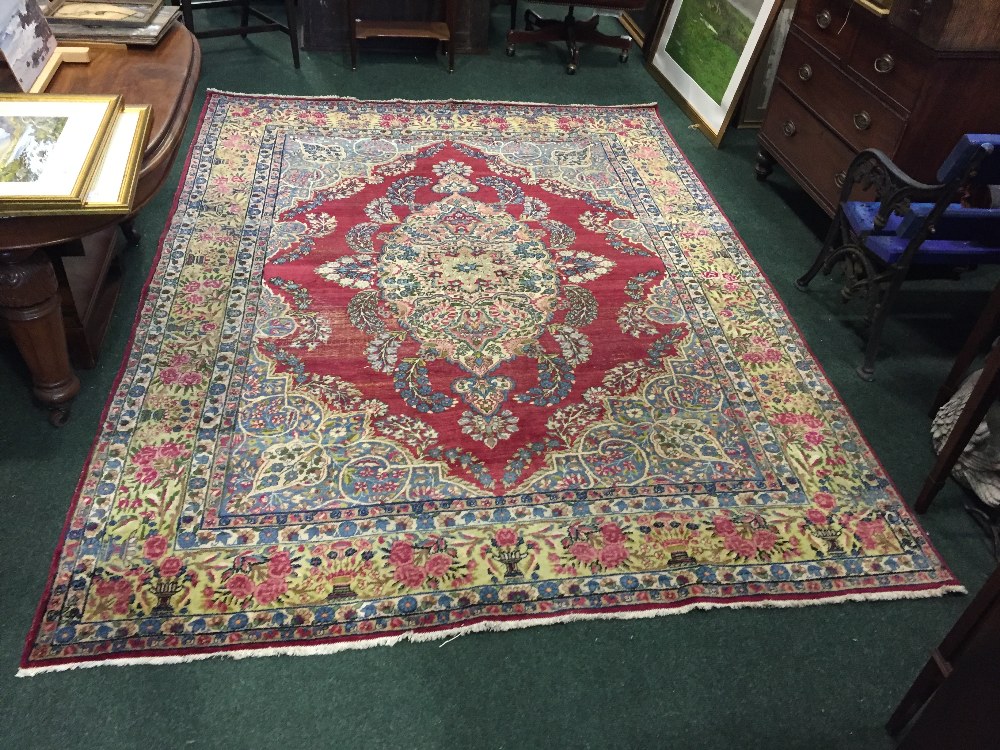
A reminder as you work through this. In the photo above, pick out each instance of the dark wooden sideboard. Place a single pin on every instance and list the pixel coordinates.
(324, 22)
(909, 83)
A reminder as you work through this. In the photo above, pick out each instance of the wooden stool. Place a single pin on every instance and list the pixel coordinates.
(441, 31)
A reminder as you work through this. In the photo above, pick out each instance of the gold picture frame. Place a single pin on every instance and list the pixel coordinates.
(49, 146)
(113, 186)
(704, 63)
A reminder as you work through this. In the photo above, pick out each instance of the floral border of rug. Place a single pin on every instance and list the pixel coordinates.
(409, 369)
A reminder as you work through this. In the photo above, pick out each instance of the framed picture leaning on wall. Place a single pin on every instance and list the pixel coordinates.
(703, 52)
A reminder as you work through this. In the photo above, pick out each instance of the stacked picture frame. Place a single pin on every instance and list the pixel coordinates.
(133, 22)
(64, 155)
(121, 13)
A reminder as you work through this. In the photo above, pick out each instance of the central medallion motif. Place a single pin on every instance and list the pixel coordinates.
(472, 284)
(466, 318)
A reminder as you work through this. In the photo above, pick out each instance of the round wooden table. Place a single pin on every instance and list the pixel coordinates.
(35, 286)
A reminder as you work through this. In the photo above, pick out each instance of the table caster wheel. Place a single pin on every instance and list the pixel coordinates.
(571, 69)
(510, 50)
(623, 57)
(58, 416)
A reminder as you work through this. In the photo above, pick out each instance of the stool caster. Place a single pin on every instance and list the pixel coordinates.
(623, 57)
(571, 69)
(510, 50)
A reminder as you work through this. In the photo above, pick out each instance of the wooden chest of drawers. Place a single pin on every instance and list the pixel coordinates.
(908, 83)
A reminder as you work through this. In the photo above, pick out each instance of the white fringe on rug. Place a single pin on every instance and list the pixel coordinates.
(449, 634)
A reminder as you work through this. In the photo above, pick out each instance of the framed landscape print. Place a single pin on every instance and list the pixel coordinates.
(703, 53)
(49, 146)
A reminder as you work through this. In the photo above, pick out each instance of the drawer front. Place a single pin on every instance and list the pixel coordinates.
(829, 23)
(807, 145)
(890, 62)
(856, 114)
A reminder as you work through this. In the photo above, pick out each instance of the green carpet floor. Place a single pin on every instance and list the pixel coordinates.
(812, 677)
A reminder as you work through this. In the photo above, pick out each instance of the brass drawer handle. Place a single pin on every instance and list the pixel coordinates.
(789, 128)
(824, 19)
(805, 71)
(862, 120)
(840, 178)
(884, 63)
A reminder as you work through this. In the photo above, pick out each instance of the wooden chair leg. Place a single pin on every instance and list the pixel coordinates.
(929, 679)
(187, 14)
(985, 328)
(292, 21)
(982, 397)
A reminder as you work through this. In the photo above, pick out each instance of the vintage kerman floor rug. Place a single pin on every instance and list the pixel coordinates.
(412, 369)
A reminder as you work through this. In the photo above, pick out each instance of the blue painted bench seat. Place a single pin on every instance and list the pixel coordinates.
(924, 226)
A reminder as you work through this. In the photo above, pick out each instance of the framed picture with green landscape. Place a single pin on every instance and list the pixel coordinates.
(703, 53)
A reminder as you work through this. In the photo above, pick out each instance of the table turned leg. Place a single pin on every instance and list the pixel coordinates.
(30, 303)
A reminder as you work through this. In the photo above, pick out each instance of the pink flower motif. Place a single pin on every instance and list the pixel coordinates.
(764, 539)
(240, 585)
(772, 355)
(280, 565)
(816, 516)
(723, 525)
(170, 450)
(438, 564)
(824, 500)
(401, 553)
(811, 422)
(409, 575)
(170, 567)
(154, 547)
(739, 545)
(583, 552)
(613, 554)
(612, 534)
(754, 357)
(180, 359)
(813, 438)
(270, 590)
(506, 537)
(145, 455)
(147, 475)
(191, 378)
(169, 375)
(786, 417)
(867, 530)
